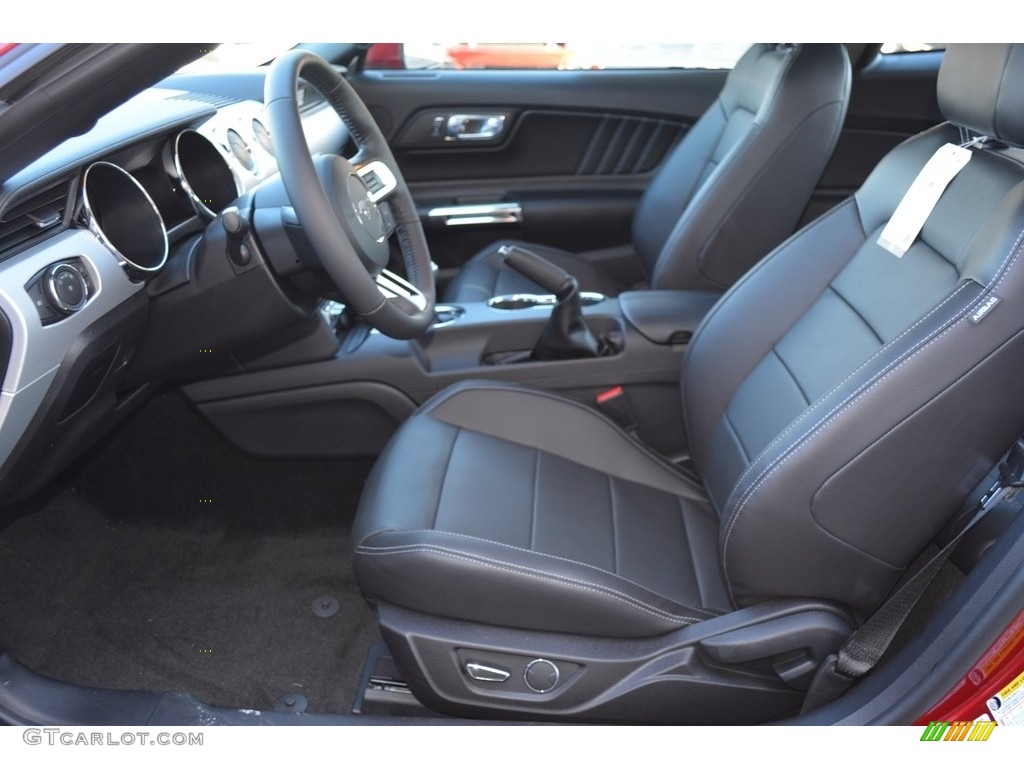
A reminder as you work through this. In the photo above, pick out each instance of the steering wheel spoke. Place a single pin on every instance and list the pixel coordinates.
(378, 179)
(392, 286)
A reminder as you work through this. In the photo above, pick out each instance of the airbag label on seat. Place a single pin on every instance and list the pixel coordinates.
(987, 306)
(916, 206)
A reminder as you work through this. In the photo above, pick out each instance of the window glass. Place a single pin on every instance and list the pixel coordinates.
(580, 55)
(228, 56)
(912, 47)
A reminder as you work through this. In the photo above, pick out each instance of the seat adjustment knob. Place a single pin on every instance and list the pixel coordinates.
(541, 675)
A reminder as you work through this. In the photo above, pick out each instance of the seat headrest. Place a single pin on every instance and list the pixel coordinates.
(981, 87)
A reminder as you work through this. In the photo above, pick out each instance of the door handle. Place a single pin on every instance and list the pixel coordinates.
(479, 127)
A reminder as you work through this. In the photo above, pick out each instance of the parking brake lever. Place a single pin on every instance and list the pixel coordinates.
(566, 335)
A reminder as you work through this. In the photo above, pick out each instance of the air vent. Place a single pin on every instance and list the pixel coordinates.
(213, 99)
(40, 214)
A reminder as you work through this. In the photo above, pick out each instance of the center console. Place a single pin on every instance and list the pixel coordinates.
(351, 401)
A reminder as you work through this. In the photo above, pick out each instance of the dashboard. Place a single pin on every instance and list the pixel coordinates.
(101, 246)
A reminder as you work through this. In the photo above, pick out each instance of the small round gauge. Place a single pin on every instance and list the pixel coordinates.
(241, 150)
(262, 135)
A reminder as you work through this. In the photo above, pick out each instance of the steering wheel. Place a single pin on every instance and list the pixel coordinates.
(350, 208)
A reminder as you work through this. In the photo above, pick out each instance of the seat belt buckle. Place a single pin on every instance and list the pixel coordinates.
(1011, 478)
(614, 404)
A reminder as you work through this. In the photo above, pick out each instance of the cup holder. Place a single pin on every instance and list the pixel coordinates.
(533, 300)
(446, 315)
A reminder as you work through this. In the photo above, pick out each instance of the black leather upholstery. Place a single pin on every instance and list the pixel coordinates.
(839, 401)
(733, 188)
(982, 90)
(502, 518)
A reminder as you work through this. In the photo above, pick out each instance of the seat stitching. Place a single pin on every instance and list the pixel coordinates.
(803, 416)
(533, 503)
(689, 549)
(789, 371)
(860, 315)
(868, 387)
(615, 527)
(709, 612)
(444, 477)
(523, 571)
(732, 428)
(1002, 271)
(807, 437)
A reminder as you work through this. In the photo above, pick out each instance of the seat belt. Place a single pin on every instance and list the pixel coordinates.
(867, 645)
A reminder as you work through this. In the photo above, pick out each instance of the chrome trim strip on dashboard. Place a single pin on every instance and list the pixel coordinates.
(94, 227)
(482, 213)
(37, 351)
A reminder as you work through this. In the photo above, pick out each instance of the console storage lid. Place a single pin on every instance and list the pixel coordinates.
(666, 317)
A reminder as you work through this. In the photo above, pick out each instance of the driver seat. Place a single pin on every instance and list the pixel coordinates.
(528, 557)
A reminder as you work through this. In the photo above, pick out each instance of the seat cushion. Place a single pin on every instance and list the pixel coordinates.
(485, 275)
(511, 506)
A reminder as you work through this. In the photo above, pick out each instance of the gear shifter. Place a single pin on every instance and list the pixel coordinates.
(566, 335)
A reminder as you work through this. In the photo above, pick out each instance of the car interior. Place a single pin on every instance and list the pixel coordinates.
(713, 423)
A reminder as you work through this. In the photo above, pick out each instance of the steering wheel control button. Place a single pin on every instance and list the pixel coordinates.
(326, 606)
(65, 288)
(367, 213)
(487, 673)
(541, 675)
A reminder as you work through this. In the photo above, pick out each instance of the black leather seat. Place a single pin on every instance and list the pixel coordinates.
(730, 191)
(839, 403)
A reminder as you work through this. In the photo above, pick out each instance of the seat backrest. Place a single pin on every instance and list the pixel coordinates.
(841, 401)
(737, 183)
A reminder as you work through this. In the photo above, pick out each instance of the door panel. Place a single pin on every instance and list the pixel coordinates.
(576, 151)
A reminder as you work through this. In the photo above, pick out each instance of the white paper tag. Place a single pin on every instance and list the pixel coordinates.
(1007, 706)
(916, 206)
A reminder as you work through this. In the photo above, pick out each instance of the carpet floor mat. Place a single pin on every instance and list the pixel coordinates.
(169, 561)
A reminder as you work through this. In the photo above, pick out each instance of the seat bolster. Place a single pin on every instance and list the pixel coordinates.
(557, 425)
(465, 577)
(404, 488)
(485, 275)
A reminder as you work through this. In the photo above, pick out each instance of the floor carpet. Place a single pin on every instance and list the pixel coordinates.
(169, 561)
